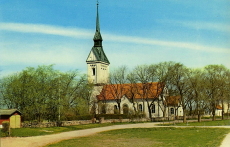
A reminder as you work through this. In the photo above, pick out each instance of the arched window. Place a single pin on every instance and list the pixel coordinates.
(125, 109)
(172, 110)
(140, 107)
(115, 109)
(153, 109)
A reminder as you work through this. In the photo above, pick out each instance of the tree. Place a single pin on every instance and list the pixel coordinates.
(117, 80)
(146, 87)
(179, 85)
(227, 92)
(215, 82)
(161, 72)
(132, 89)
(197, 89)
(40, 93)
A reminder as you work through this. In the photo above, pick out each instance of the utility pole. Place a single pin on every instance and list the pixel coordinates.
(59, 105)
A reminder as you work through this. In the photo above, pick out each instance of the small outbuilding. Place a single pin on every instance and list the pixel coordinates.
(13, 116)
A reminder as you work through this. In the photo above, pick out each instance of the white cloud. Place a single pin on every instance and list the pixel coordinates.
(200, 25)
(81, 33)
(63, 56)
(19, 52)
(45, 29)
(181, 45)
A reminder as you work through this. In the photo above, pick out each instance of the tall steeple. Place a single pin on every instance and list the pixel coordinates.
(97, 37)
(98, 63)
(97, 20)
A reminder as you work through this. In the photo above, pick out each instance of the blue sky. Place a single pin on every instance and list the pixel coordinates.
(195, 33)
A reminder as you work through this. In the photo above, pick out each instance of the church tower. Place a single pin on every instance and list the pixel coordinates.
(97, 62)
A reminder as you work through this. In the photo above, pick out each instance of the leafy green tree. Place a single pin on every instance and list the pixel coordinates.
(45, 93)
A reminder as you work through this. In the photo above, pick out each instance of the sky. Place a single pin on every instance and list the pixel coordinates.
(44, 32)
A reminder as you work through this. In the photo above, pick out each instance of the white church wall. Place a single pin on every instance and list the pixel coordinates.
(110, 104)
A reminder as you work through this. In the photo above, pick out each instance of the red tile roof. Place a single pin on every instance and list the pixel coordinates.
(219, 107)
(137, 91)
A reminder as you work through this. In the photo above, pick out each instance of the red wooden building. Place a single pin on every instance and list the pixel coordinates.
(13, 116)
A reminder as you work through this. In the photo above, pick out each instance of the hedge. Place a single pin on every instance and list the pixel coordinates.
(5, 128)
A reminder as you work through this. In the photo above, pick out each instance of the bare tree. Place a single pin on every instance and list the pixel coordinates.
(145, 78)
(117, 80)
(161, 72)
(197, 89)
(133, 90)
(215, 76)
(179, 85)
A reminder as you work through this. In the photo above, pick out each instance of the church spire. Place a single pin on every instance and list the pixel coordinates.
(97, 61)
(97, 20)
(97, 37)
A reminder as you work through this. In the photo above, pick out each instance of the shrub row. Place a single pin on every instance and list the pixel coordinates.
(109, 116)
(106, 116)
(5, 131)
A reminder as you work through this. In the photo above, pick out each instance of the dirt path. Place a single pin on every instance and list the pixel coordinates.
(38, 141)
(226, 141)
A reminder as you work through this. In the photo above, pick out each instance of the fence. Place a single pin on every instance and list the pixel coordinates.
(78, 122)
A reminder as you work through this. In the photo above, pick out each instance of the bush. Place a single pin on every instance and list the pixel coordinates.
(5, 128)
(136, 115)
(84, 117)
(112, 116)
(59, 124)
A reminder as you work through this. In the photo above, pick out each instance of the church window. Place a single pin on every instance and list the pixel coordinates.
(125, 109)
(172, 111)
(140, 108)
(153, 109)
(115, 109)
(103, 109)
(94, 71)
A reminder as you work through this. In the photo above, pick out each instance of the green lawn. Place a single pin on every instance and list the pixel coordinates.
(148, 137)
(25, 132)
(204, 123)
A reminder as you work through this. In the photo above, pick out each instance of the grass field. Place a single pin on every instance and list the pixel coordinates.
(204, 123)
(25, 132)
(148, 137)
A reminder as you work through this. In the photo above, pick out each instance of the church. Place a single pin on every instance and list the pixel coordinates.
(108, 101)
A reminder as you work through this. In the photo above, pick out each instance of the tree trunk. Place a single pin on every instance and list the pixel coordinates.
(119, 107)
(222, 110)
(213, 115)
(135, 110)
(199, 116)
(164, 113)
(150, 115)
(184, 116)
